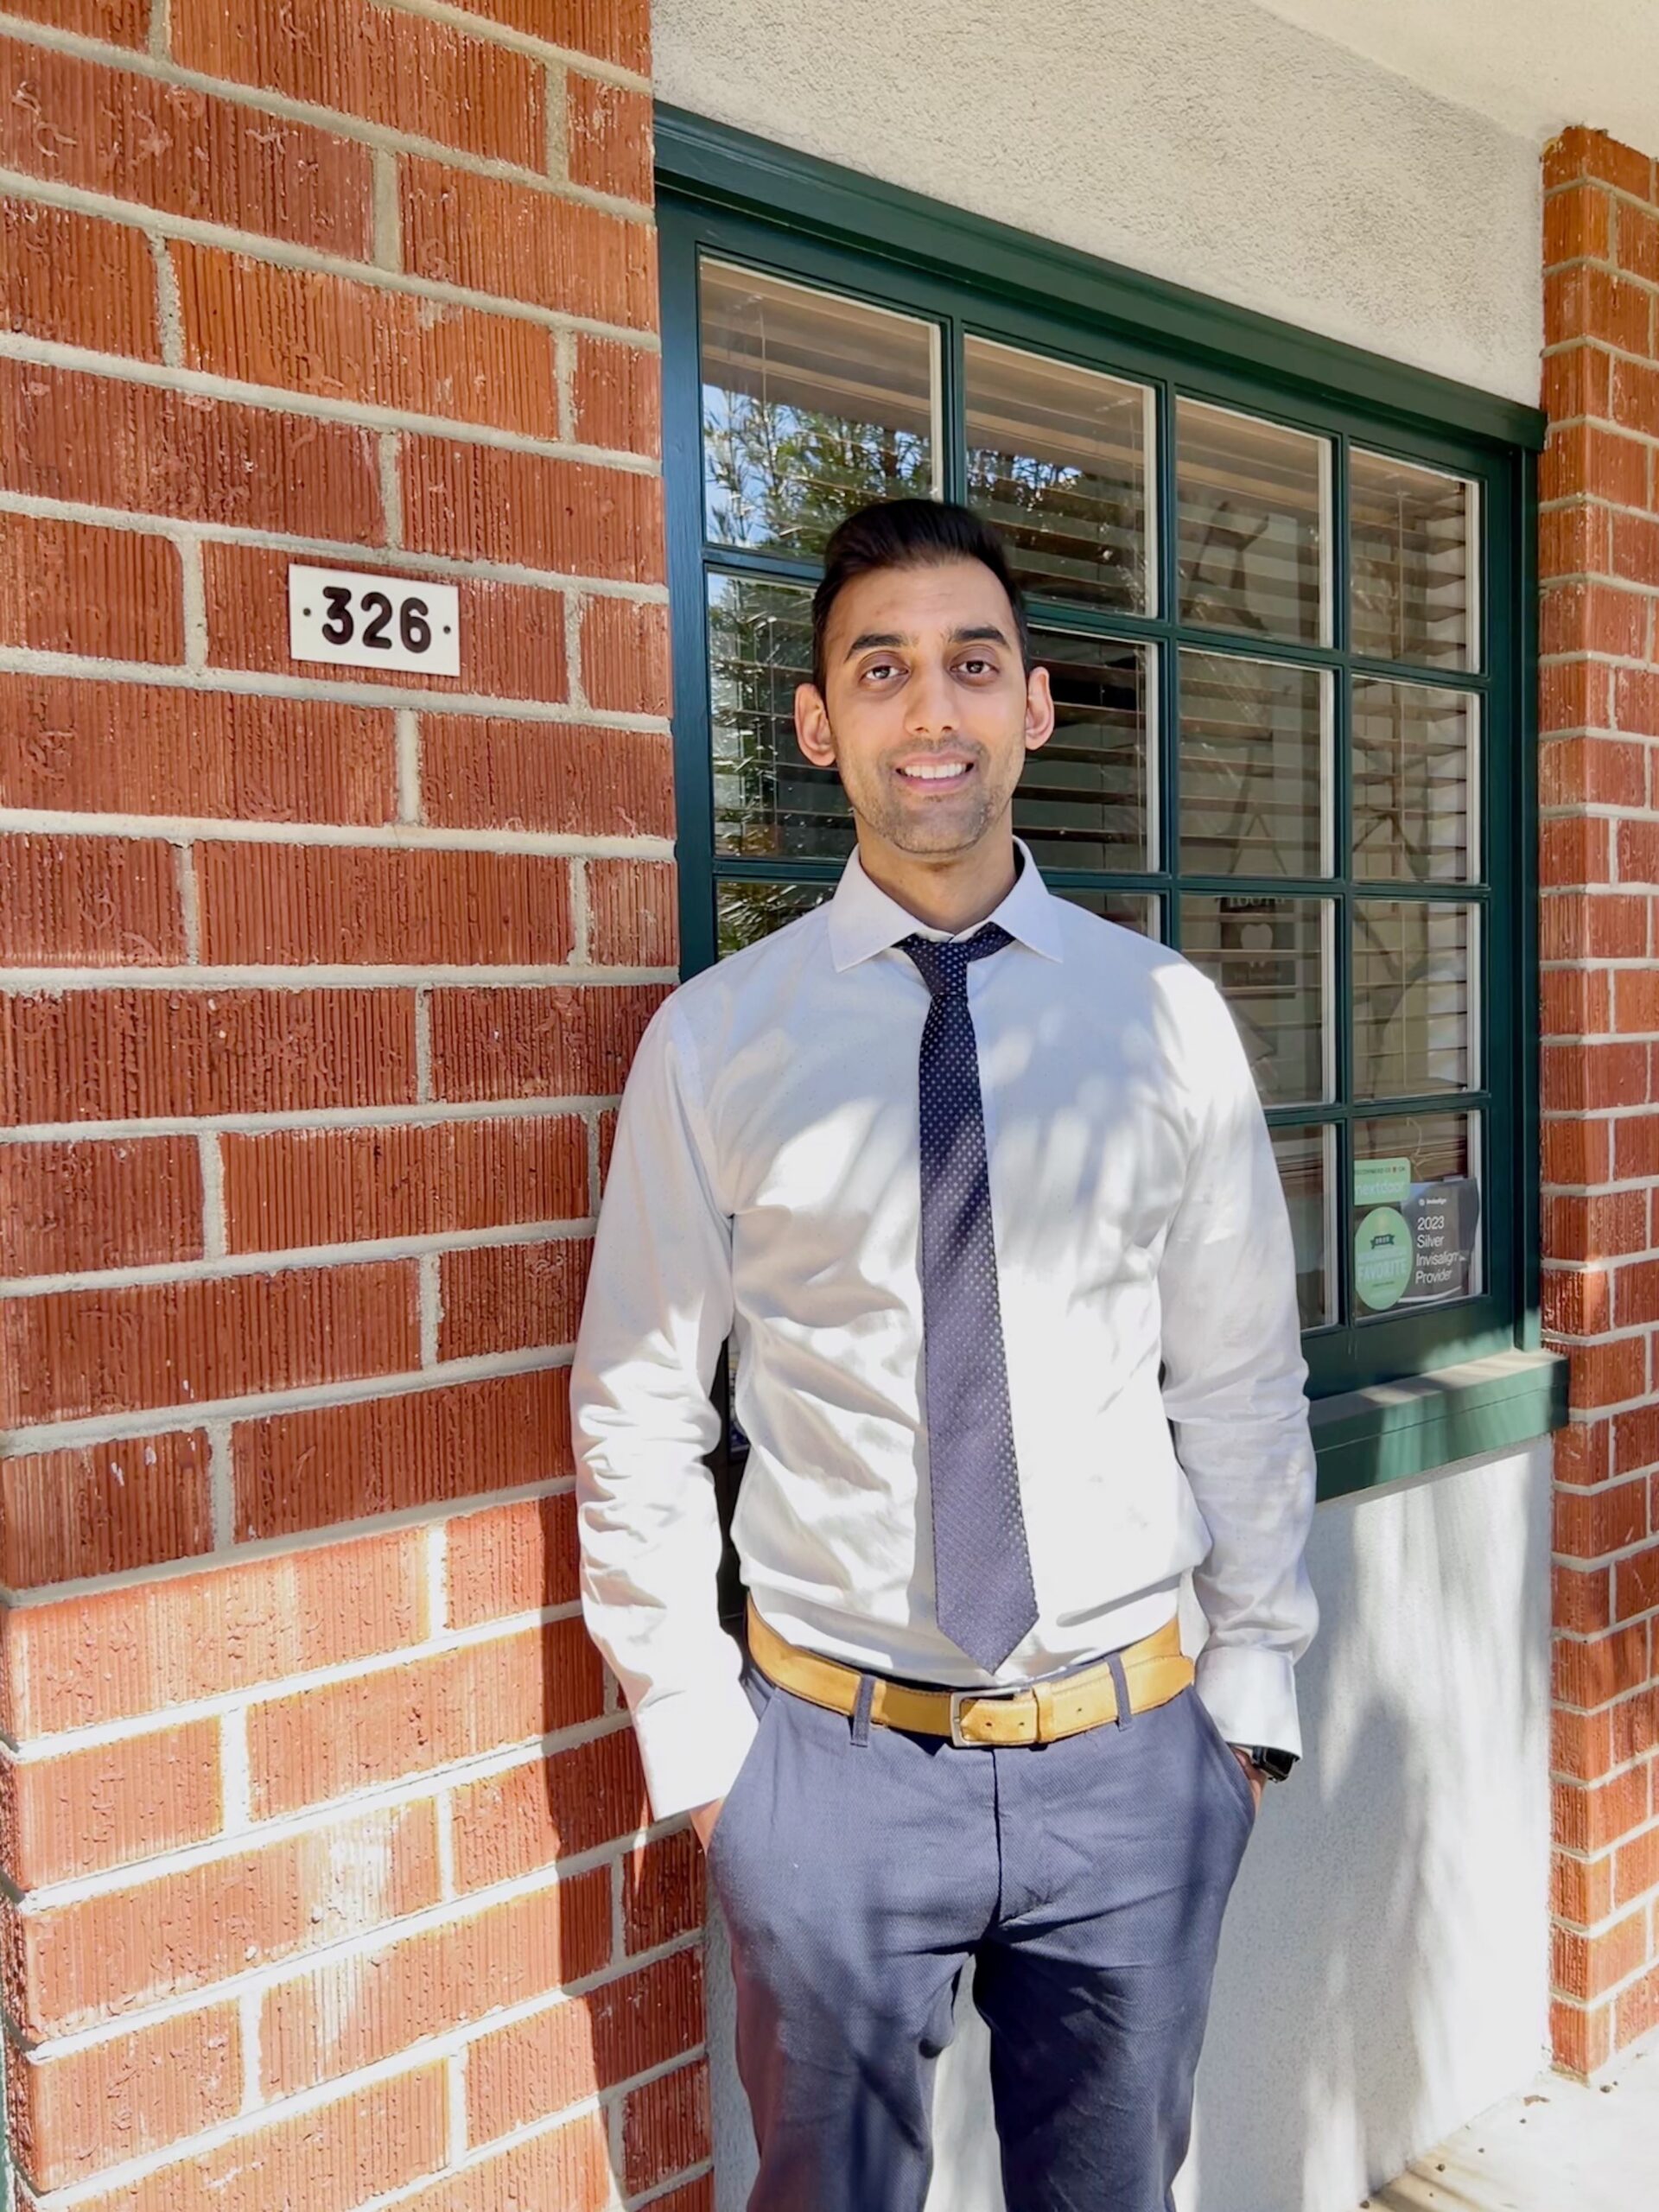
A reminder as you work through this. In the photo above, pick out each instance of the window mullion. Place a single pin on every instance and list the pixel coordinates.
(1166, 857)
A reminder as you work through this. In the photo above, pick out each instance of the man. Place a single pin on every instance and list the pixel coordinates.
(959, 1166)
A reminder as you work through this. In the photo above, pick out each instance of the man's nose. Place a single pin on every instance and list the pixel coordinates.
(930, 703)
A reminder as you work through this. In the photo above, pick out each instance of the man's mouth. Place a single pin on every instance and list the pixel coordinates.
(936, 775)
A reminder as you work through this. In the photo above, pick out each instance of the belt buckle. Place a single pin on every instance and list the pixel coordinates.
(996, 1693)
(958, 1699)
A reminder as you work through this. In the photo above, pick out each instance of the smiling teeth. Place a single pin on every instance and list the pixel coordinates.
(935, 775)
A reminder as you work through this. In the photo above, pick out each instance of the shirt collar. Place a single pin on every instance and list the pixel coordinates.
(864, 920)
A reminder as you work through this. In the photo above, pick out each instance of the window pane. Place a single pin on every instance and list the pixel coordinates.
(1268, 956)
(1083, 798)
(1252, 532)
(1417, 1211)
(770, 803)
(811, 404)
(1130, 910)
(1057, 459)
(1252, 767)
(1304, 1158)
(1414, 773)
(1411, 541)
(745, 912)
(1414, 1027)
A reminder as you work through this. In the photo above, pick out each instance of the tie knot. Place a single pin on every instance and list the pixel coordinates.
(943, 962)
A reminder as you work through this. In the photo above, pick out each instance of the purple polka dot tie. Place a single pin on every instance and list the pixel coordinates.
(986, 1601)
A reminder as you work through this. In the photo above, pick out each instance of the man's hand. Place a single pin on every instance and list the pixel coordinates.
(1253, 1775)
(703, 1818)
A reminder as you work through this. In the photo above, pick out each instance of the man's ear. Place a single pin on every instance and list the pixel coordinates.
(1039, 709)
(812, 731)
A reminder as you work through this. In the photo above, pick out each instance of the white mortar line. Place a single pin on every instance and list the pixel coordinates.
(248, 2010)
(226, 1267)
(591, 1120)
(407, 723)
(455, 2084)
(308, 1123)
(192, 597)
(498, 34)
(281, 399)
(260, 1548)
(234, 1777)
(555, 92)
(443, 1811)
(211, 1163)
(387, 212)
(221, 1480)
(169, 319)
(564, 370)
(388, 837)
(391, 487)
(424, 1089)
(581, 918)
(54, 983)
(431, 1309)
(437, 1576)
(160, 28)
(189, 906)
(575, 679)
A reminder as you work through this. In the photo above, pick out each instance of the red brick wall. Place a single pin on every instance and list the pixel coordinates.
(1599, 934)
(323, 1828)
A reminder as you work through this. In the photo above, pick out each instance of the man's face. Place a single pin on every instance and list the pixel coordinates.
(926, 711)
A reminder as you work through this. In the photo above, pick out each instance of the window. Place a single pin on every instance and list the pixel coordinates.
(1282, 629)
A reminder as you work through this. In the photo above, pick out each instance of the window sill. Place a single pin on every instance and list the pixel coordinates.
(1366, 1437)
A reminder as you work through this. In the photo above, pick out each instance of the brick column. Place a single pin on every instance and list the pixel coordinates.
(320, 1829)
(1599, 934)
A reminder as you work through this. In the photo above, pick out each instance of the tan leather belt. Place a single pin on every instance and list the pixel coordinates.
(1155, 1671)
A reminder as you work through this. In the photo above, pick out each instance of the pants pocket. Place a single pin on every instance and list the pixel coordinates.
(766, 1698)
(1220, 1750)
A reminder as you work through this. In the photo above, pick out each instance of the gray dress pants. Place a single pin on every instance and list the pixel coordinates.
(860, 1870)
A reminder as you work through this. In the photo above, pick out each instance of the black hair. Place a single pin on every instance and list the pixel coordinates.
(909, 534)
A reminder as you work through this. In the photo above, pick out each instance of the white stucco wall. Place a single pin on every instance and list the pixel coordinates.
(1383, 1968)
(1216, 146)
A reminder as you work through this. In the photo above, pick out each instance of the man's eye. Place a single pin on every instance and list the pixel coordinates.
(880, 668)
(979, 666)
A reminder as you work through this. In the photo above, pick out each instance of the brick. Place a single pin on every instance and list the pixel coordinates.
(1575, 1003)
(355, 2012)
(90, 901)
(275, 905)
(1636, 700)
(68, 1965)
(1580, 457)
(121, 1653)
(1582, 1450)
(1588, 1966)
(76, 588)
(1598, 617)
(1610, 1224)
(64, 1208)
(565, 2169)
(1577, 1076)
(1576, 1302)
(71, 436)
(1590, 1817)
(1578, 225)
(1636, 1000)
(1580, 2040)
(1635, 399)
(1581, 1889)
(1635, 1583)
(662, 1891)
(329, 2159)
(512, 1297)
(133, 748)
(557, 1041)
(517, 243)
(1635, 1867)
(1581, 1599)
(377, 1728)
(123, 2098)
(571, 517)
(611, 30)
(634, 910)
(616, 390)
(1577, 1149)
(1576, 381)
(1638, 852)
(624, 655)
(1575, 694)
(1580, 152)
(666, 2127)
(1608, 1374)
(297, 1187)
(382, 1455)
(104, 1509)
(606, 1143)
(127, 1054)
(1634, 542)
(75, 281)
(1590, 1523)
(621, 2028)
(76, 121)
(304, 330)
(1635, 1439)
(72, 1353)
(608, 137)
(120, 22)
(382, 64)
(1636, 1146)
(514, 1824)
(1592, 925)
(1636, 243)
(111, 1805)
(1576, 540)
(512, 635)
(697, 2196)
(1584, 302)
(1636, 1294)
(1635, 2011)
(1574, 850)
(492, 772)
(512, 1559)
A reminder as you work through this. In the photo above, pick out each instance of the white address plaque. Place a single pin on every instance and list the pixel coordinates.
(373, 620)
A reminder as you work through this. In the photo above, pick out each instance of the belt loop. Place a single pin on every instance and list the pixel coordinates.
(865, 1700)
(1121, 1684)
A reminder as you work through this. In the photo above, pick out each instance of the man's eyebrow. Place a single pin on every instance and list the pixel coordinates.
(972, 634)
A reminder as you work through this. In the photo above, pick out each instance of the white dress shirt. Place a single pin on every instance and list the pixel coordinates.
(766, 1184)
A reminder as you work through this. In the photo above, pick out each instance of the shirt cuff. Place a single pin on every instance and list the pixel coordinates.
(691, 1745)
(1250, 1693)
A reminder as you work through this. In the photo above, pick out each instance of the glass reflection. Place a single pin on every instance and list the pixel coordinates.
(1415, 770)
(1253, 754)
(1411, 539)
(1251, 529)
(1303, 1157)
(1083, 797)
(1414, 1030)
(770, 803)
(745, 912)
(1267, 956)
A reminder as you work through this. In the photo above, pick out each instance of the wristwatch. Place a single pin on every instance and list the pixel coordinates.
(1275, 1765)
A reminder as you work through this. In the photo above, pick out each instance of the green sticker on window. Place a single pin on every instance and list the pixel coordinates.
(1383, 1258)
(1381, 1182)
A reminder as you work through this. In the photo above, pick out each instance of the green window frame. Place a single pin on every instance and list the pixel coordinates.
(1478, 1377)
